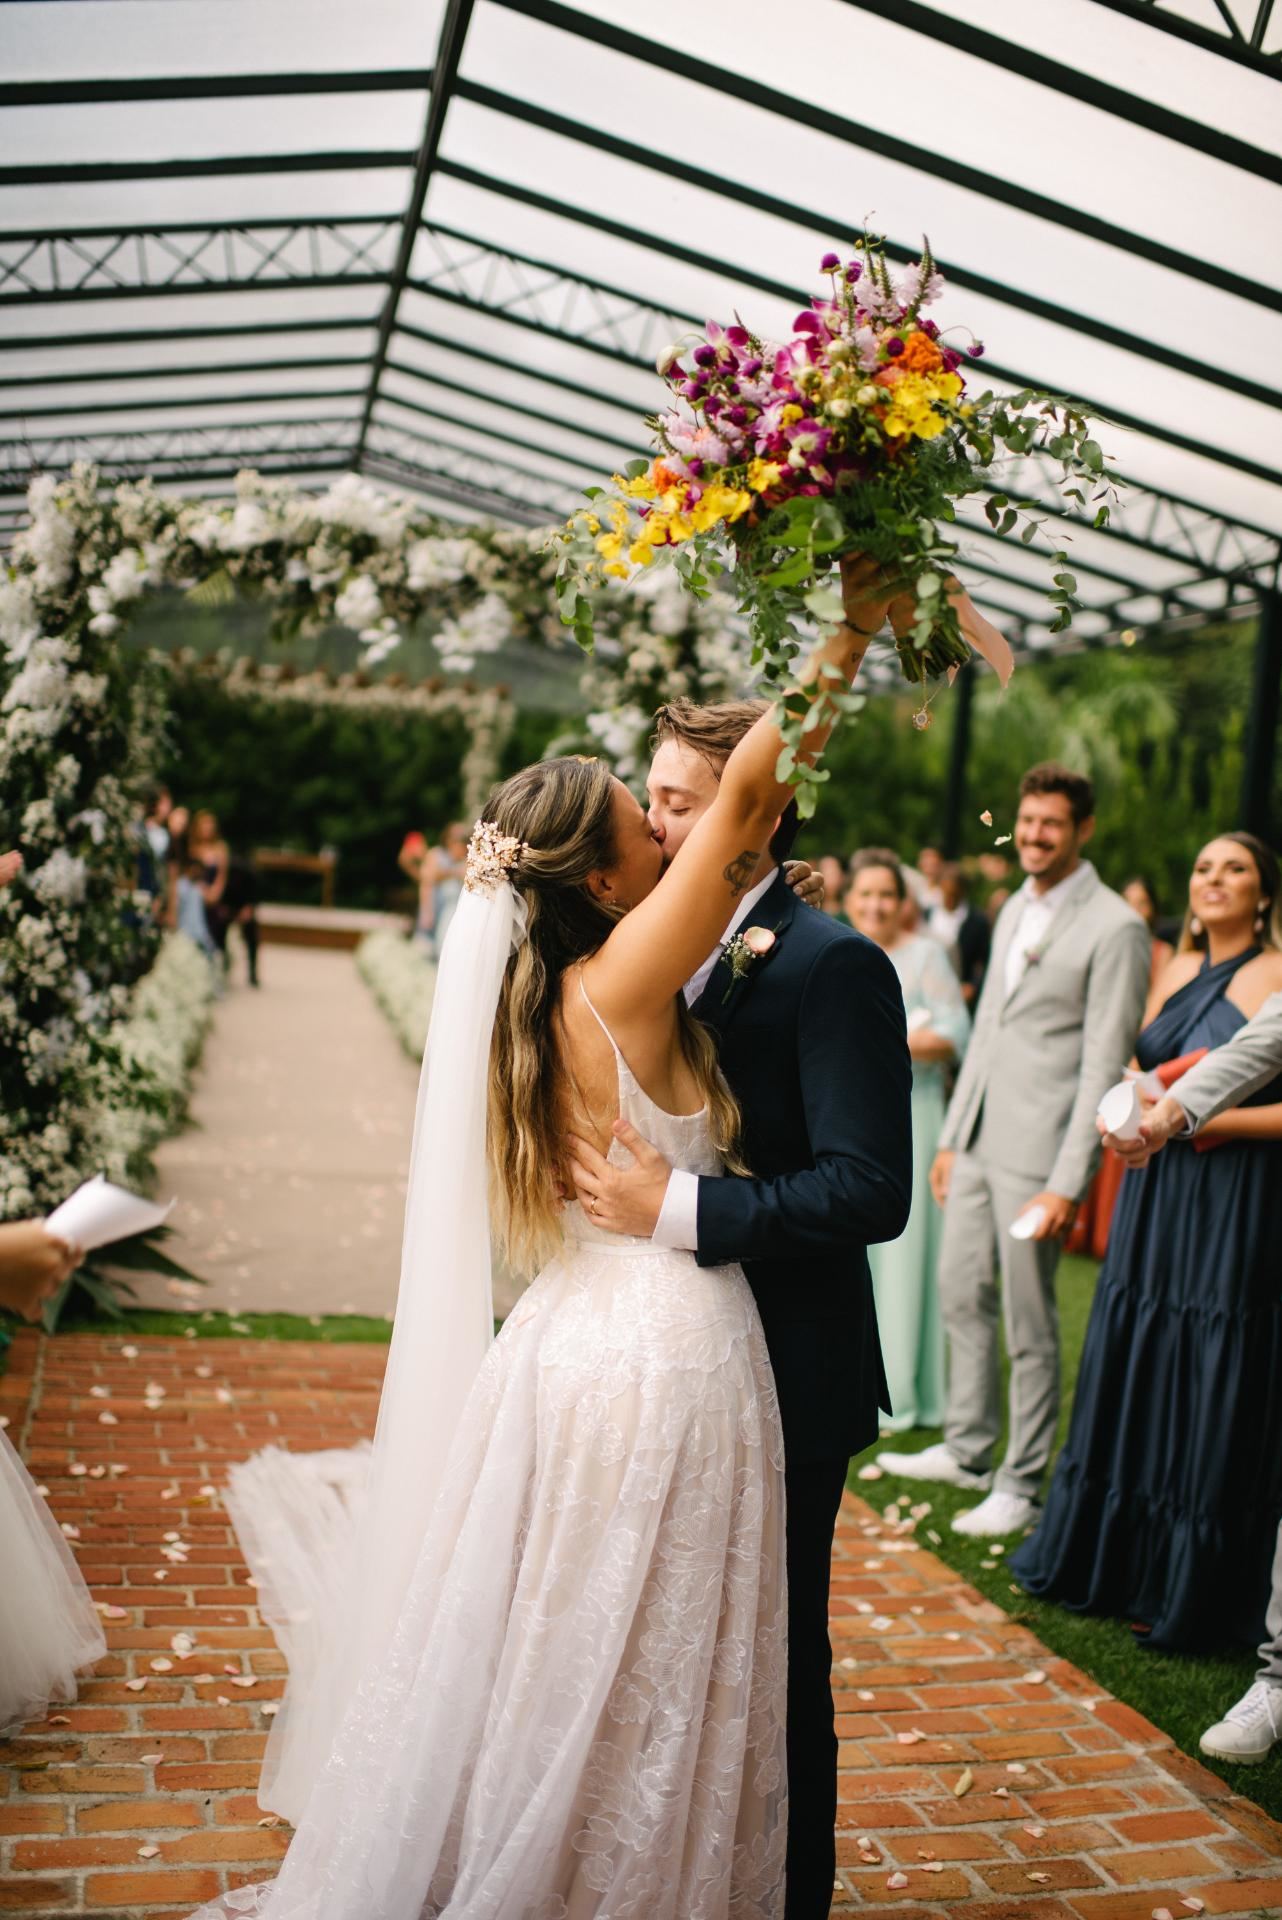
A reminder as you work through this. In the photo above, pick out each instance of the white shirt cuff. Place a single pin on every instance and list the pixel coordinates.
(678, 1222)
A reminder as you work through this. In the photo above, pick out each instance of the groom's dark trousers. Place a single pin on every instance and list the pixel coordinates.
(812, 1041)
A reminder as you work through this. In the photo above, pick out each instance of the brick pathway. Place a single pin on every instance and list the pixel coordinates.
(981, 1776)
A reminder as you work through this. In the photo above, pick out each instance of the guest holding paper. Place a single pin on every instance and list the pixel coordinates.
(1056, 1023)
(1166, 1499)
(49, 1627)
(904, 1271)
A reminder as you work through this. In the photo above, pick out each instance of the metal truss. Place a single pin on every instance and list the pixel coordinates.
(105, 263)
(514, 490)
(175, 451)
(1242, 35)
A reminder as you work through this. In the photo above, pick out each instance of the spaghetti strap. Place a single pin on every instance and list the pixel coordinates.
(600, 1022)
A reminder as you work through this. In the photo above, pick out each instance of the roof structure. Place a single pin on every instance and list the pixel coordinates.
(441, 243)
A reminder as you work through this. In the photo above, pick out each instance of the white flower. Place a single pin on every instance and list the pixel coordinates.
(353, 502)
(909, 289)
(39, 821)
(206, 532)
(125, 577)
(62, 879)
(866, 349)
(95, 820)
(436, 562)
(358, 605)
(50, 541)
(19, 621)
(483, 627)
(620, 734)
(104, 624)
(248, 527)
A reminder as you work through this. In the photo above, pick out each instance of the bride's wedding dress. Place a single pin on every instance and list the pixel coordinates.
(580, 1712)
(49, 1626)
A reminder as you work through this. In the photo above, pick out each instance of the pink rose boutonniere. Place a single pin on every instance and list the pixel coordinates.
(743, 952)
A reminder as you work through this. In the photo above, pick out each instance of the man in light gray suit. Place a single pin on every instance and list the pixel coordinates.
(1056, 1024)
(1252, 1727)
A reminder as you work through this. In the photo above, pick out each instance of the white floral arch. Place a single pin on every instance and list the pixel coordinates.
(80, 721)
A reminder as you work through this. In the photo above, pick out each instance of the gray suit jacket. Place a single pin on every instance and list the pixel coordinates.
(1039, 1061)
(1231, 1072)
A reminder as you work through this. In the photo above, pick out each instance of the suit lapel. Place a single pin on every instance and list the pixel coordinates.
(724, 995)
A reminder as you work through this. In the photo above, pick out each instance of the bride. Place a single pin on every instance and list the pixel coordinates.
(553, 1687)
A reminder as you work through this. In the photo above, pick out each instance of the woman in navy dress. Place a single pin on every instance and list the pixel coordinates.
(1165, 1501)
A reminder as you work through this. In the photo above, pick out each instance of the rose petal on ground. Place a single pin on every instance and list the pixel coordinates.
(1035, 1679)
(161, 1666)
(864, 1693)
(1163, 1913)
(1040, 1878)
(1193, 1904)
(148, 1853)
(269, 1706)
(150, 1759)
(871, 1473)
(880, 1623)
(77, 1470)
(1034, 1833)
(108, 1420)
(1002, 1793)
(965, 1781)
(909, 1739)
(897, 1880)
(129, 1353)
(1016, 1766)
(135, 1686)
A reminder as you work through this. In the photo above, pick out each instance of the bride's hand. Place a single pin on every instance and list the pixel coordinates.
(866, 592)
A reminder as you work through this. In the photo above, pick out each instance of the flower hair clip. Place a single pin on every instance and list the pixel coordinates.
(492, 857)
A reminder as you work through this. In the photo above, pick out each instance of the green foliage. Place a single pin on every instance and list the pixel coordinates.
(311, 777)
(1159, 728)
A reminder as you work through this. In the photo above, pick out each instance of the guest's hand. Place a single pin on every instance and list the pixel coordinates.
(806, 882)
(1161, 1122)
(34, 1263)
(620, 1201)
(10, 867)
(1058, 1213)
(941, 1173)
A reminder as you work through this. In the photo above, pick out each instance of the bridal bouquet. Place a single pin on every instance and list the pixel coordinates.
(858, 433)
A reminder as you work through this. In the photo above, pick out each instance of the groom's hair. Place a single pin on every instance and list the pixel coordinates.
(713, 732)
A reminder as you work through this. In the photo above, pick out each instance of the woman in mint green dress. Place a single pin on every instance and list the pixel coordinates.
(903, 1271)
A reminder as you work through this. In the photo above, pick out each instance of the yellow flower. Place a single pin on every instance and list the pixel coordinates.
(719, 503)
(790, 413)
(609, 545)
(617, 570)
(641, 554)
(642, 488)
(762, 474)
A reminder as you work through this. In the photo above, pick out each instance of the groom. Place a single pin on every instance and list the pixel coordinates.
(809, 1023)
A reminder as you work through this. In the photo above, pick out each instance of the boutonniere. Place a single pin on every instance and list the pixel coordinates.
(1033, 958)
(743, 952)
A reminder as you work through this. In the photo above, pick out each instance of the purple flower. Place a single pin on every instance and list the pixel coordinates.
(705, 356)
(929, 328)
(750, 367)
(976, 351)
(807, 323)
(952, 359)
(853, 271)
(738, 416)
(829, 263)
(894, 346)
(737, 336)
(713, 404)
(695, 466)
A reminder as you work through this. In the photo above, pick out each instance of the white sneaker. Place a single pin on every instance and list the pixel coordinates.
(934, 1463)
(1000, 1513)
(1250, 1730)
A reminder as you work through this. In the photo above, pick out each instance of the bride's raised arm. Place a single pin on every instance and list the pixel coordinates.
(663, 940)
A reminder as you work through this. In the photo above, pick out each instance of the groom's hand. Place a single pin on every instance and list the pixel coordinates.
(620, 1200)
(806, 882)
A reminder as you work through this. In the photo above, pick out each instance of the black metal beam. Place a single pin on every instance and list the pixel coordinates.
(149, 336)
(1151, 351)
(211, 86)
(428, 480)
(872, 139)
(1073, 82)
(149, 403)
(476, 425)
(449, 51)
(77, 172)
(11, 382)
(477, 430)
(1229, 46)
(325, 460)
(1262, 722)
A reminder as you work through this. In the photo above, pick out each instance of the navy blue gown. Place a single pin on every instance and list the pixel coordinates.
(1165, 1501)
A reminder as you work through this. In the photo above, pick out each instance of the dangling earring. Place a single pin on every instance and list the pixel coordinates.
(1195, 927)
(1260, 918)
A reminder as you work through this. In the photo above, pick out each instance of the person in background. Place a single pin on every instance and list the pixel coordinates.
(151, 837)
(440, 884)
(10, 867)
(1055, 1026)
(904, 1270)
(832, 872)
(1138, 894)
(961, 929)
(228, 887)
(34, 1264)
(1094, 1222)
(1166, 1499)
(157, 805)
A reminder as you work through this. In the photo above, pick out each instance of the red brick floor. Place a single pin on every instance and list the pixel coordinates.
(980, 1775)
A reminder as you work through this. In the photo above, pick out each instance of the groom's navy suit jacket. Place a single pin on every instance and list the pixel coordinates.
(813, 1044)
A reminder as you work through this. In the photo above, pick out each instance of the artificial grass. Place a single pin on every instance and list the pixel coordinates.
(336, 1328)
(1183, 1694)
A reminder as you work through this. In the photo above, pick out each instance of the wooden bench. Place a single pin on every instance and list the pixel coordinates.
(283, 860)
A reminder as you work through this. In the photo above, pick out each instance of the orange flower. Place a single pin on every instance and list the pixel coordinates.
(920, 354)
(664, 478)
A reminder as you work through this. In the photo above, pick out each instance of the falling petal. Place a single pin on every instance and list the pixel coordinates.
(1001, 840)
(965, 1781)
(871, 1473)
(985, 818)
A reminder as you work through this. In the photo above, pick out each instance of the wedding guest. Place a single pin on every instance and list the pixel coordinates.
(1165, 1504)
(440, 884)
(832, 871)
(904, 1270)
(34, 1263)
(923, 879)
(961, 929)
(1056, 1023)
(208, 850)
(10, 867)
(1094, 1222)
(1252, 1727)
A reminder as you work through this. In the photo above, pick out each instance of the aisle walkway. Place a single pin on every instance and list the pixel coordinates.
(291, 1179)
(982, 1778)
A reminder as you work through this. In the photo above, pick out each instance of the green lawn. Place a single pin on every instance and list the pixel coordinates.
(1180, 1694)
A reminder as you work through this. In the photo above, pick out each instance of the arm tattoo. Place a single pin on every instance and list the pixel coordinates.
(740, 871)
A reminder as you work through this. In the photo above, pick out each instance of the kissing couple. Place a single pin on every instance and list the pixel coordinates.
(558, 1643)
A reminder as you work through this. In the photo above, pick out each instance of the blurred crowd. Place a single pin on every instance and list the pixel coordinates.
(196, 884)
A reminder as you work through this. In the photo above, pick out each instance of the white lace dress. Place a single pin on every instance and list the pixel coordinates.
(49, 1626)
(581, 1712)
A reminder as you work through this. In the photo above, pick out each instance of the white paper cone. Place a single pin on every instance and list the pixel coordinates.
(1120, 1110)
(98, 1213)
(1027, 1224)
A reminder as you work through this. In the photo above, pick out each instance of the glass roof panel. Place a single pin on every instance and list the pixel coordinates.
(120, 132)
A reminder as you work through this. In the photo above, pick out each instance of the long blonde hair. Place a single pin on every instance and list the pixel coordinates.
(562, 812)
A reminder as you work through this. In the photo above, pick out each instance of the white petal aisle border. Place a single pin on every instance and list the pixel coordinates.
(402, 980)
(81, 720)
